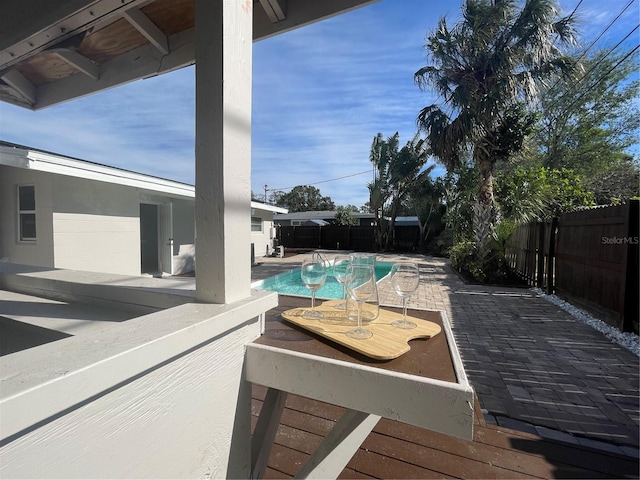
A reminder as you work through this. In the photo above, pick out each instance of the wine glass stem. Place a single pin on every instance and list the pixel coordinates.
(359, 314)
(404, 308)
(313, 300)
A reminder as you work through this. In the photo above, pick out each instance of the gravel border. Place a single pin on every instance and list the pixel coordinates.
(628, 340)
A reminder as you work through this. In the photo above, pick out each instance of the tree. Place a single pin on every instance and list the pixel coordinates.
(588, 123)
(616, 183)
(425, 201)
(396, 170)
(344, 216)
(381, 155)
(484, 68)
(305, 198)
(538, 193)
(275, 197)
(460, 190)
(351, 208)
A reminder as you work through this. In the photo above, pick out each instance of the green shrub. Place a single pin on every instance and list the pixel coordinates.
(464, 258)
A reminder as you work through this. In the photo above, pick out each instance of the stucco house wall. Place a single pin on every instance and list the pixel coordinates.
(30, 253)
(95, 224)
(183, 224)
(263, 241)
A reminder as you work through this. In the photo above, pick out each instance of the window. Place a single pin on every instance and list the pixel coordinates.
(256, 224)
(27, 212)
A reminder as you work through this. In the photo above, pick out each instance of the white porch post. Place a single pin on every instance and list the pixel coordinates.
(223, 149)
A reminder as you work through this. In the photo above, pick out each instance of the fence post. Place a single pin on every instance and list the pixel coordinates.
(551, 258)
(540, 259)
(631, 308)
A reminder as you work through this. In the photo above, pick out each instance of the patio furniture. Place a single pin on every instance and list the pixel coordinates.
(426, 387)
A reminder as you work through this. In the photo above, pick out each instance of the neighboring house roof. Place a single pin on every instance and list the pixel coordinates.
(406, 221)
(320, 214)
(318, 221)
(21, 156)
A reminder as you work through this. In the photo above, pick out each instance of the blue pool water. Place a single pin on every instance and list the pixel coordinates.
(290, 283)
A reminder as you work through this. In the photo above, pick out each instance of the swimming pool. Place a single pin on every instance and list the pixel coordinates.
(290, 283)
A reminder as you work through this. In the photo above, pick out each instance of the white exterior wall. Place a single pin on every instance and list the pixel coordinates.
(260, 240)
(80, 224)
(96, 226)
(28, 253)
(183, 224)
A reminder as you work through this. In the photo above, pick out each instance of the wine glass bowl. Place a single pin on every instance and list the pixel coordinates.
(313, 273)
(360, 284)
(340, 265)
(405, 278)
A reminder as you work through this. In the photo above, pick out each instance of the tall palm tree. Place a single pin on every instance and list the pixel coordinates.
(395, 172)
(484, 68)
(381, 154)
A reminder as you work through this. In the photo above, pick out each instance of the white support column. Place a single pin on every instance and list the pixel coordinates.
(223, 149)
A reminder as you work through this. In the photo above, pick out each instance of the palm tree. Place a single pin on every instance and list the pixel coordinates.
(381, 154)
(396, 170)
(484, 68)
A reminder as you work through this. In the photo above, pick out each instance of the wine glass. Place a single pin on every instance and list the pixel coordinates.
(360, 284)
(340, 265)
(313, 274)
(405, 278)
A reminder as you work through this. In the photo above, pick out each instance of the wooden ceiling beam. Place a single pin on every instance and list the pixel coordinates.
(142, 62)
(148, 29)
(21, 85)
(276, 10)
(64, 19)
(79, 62)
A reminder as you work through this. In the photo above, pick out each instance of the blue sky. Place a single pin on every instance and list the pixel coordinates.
(320, 95)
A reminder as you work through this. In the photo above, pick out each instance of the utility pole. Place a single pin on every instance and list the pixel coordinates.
(265, 193)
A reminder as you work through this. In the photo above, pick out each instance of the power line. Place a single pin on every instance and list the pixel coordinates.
(586, 50)
(322, 181)
(593, 85)
(607, 27)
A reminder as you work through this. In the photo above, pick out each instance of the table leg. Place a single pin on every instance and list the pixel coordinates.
(339, 445)
(265, 431)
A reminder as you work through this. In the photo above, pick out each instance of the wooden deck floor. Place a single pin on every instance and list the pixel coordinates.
(397, 450)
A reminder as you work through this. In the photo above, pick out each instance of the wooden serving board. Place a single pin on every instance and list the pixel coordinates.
(387, 341)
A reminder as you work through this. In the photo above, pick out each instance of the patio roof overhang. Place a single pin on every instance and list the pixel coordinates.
(55, 51)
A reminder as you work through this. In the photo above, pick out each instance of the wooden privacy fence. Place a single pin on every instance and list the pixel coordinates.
(589, 257)
(337, 237)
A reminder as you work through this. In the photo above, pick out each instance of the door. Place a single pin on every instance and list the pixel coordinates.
(166, 238)
(149, 238)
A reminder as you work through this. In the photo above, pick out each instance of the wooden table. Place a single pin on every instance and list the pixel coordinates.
(426, 387)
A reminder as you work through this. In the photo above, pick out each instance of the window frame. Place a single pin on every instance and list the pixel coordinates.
(24, 212)
(255, 224)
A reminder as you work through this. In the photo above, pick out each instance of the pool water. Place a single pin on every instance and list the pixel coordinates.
(290, 283)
